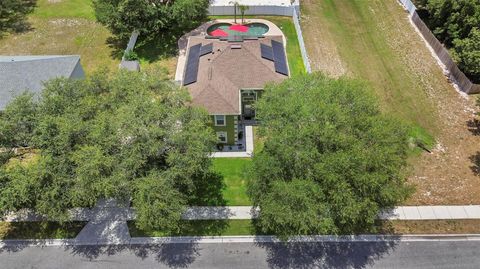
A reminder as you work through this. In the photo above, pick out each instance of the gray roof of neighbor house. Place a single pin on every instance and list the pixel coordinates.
(231, 67)
(28, 73)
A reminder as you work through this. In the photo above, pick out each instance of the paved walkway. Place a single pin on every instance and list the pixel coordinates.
(107, 224)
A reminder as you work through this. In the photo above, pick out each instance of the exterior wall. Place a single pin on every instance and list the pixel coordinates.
(230, 128)
(78, 71)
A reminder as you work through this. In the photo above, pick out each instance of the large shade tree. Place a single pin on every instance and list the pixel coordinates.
(331, 159)
(13, 14)
(129, 136)
(151, 18)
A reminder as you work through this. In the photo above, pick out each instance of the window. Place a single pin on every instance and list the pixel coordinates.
(222, 137)
(219, 120)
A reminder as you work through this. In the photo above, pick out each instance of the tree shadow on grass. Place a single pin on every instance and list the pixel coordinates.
(160, 46)
(209, 191)
(474, 126)
(117, 45)
(475, 163)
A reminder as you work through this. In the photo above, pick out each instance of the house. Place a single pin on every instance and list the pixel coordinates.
(227, 76)
(28, 73)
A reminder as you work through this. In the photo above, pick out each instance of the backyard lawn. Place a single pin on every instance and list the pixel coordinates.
(40, 230)
(69, 27)
(232, 170)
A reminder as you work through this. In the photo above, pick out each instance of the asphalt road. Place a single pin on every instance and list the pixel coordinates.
(432, 254)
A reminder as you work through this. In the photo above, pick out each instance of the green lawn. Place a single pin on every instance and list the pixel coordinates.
(40, 230)
(295, 61)
(200, 228)
(69, 27)
(65, 9)
(233, 170)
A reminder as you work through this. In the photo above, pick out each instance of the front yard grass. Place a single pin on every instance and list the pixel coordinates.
(233, 172)
(200, 228)
(40, 230)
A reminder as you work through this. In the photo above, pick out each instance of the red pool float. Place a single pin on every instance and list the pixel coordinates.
(218, 32)
(239, 28)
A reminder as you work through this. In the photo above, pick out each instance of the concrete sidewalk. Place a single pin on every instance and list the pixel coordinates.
(107, 221)
(247, 212)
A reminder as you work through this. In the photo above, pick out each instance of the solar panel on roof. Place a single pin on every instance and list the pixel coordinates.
(206, 49)
(191, 70)
(280, 60)
(266, 52)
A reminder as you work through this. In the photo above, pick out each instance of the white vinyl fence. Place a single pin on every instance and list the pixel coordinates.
(303, 50)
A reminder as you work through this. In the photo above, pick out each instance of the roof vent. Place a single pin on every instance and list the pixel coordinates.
(236, 46)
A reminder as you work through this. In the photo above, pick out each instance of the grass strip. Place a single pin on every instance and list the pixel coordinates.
(199, 228)
(40, 230)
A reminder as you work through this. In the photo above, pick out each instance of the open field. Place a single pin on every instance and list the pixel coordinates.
(40, 230)
(69, 27)
(374, 40)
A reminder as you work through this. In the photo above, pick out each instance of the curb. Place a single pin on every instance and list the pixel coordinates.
(242, 239)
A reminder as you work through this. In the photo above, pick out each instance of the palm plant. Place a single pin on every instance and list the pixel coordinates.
(242, 9)
(235, 5)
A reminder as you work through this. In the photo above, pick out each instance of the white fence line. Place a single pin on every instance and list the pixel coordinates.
(409, 6)
(252, 10)
(301, 42)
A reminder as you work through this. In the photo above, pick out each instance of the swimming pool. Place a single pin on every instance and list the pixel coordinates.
(226, 29)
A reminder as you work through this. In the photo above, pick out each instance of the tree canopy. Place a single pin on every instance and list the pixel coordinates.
(456, 23)
(13, 14)
(125, 136)
(150, 18)
(331, 159)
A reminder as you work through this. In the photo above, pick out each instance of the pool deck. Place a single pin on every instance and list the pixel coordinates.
(202, 31)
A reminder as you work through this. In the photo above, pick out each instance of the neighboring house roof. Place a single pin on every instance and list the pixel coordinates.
(224, 72)
(28, 73)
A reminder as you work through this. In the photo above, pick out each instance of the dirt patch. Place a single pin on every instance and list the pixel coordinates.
(320, 43)
(375, 40)
(430, 227)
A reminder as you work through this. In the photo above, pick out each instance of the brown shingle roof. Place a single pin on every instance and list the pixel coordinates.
(224, 72)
